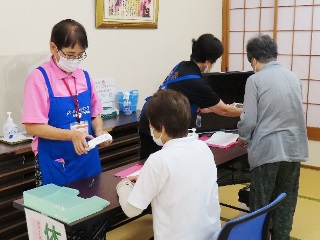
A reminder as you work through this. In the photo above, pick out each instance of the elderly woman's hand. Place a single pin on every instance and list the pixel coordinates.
(242, 143)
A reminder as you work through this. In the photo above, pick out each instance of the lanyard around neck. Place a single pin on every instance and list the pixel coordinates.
(74, 97)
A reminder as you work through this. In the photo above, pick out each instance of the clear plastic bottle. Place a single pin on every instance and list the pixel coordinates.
(10, 129)
(127, 108)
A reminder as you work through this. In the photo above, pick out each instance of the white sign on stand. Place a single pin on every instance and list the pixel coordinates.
(106, 89)
(42, 227)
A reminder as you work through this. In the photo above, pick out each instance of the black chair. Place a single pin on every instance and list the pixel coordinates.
(252, 226)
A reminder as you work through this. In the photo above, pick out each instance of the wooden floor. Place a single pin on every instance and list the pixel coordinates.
(306, 219)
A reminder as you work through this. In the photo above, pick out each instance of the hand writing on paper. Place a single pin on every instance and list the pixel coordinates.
(130, 178)
(133, 178)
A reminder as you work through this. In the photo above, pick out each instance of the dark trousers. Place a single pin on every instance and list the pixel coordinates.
(148, 146)
(267, 182)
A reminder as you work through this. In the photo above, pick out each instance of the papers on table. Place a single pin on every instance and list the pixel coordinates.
(221, 139)
(131, 171)
(134, 174)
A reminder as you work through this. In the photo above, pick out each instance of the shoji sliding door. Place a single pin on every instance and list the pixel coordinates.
(295, 25)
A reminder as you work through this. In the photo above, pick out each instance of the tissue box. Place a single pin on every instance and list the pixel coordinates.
(62, 203)
(109, 112)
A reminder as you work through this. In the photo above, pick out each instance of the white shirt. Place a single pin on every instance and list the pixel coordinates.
(180, 181)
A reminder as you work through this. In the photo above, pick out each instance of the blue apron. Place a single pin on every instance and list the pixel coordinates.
(51, 152)
(170, 79)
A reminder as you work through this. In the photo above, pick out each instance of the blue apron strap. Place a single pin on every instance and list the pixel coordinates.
(46, 78)
(148, 98)
(165, 83)
(174, 70)
(184, 78)
(178, 79)
(170, 80)
(88, 80)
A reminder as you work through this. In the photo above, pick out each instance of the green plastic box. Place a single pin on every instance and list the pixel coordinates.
(62, 203)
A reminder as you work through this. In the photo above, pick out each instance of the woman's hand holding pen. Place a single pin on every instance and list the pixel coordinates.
(133, 178)
(79, 141)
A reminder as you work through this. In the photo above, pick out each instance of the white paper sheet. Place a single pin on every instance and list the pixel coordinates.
(134, 174)
(222, 138)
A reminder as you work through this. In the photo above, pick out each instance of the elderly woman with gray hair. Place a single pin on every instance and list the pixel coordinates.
(273, 128)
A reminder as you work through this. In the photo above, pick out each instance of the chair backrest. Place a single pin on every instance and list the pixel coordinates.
(252, 226)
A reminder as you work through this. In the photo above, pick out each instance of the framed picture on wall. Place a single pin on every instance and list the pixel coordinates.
(127, 13)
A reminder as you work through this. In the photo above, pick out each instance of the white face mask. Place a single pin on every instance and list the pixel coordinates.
(158, 141)
(67, 65)
(207, 69)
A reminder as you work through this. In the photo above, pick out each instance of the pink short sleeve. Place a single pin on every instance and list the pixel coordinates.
(36, 99)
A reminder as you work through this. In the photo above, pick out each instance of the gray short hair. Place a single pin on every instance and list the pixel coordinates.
(263, 48)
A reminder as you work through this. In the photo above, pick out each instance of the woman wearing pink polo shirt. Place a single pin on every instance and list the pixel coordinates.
(62, 110)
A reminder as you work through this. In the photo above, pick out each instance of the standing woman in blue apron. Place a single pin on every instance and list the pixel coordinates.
(186, 78)
(62, 110)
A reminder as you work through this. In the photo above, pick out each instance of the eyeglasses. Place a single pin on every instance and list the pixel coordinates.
(72, 57)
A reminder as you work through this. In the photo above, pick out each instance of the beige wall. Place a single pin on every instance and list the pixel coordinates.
(137, 59)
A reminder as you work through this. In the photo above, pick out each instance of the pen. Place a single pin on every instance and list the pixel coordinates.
(91, 184)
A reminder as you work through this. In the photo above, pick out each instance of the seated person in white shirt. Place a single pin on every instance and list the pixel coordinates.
(179, 180)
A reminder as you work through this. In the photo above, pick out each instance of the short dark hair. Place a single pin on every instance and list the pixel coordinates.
(68, 33)
(263, 48)
(206, 47)
(171, 110)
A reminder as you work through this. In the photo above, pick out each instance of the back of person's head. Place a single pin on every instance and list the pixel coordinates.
(68, 33)
(171, 110)
(263, 48)
(206, 47)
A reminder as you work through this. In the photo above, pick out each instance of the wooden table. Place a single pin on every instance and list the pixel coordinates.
(96, 225)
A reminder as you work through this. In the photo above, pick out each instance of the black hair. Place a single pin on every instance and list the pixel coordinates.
(206, 47)
(68, 33)
(169, 109)
(263, 48)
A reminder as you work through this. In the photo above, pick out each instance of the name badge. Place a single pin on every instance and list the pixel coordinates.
(82, 126)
